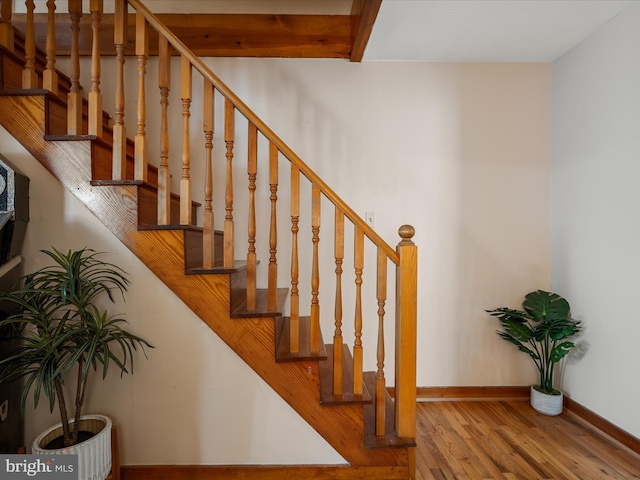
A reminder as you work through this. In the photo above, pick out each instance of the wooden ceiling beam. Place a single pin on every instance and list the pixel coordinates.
(218, 35)
(363, 16)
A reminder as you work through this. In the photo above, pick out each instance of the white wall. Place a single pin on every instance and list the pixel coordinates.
(460, 151)
(595, 227)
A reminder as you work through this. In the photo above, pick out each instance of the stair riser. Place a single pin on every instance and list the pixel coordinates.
(238, 289)
(11, 70)
(193, 240)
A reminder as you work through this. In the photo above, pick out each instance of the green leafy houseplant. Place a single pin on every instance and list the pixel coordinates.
(540, 330)
(61, 327)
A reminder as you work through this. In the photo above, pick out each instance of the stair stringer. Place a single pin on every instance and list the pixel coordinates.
(163, 252)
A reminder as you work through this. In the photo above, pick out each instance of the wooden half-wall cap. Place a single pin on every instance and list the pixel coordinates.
(215, 35)
(229, 35)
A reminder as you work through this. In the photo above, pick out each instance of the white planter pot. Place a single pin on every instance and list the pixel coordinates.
(94, 455)
(545, 403)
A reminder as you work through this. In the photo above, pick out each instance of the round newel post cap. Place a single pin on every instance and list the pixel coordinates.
(406, 232)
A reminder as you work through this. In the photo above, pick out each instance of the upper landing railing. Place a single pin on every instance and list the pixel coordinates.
(403, 257)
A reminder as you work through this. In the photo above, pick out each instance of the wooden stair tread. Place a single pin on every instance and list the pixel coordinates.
(262, 308)
(61, 137)
(22, 92)
(238, 265)
(327, 397)
(193, 228)
(110, 183)
(390, 439)
(283, 352)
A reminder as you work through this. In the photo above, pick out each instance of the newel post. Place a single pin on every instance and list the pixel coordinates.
(6, 30)
(406, 326)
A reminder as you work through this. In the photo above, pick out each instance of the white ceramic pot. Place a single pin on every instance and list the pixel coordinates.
(545, 403)
(94, 455)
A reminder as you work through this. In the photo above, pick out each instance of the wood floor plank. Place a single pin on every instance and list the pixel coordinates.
(507, 439)
(477, 461)
(509, 460)
(615, 457)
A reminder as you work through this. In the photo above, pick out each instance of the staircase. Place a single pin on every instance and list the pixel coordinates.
(92, 157)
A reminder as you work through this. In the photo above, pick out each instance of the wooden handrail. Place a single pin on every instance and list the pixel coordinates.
(241, 107)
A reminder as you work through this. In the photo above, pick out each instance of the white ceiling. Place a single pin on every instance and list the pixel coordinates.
(441, 30)
(485, 30)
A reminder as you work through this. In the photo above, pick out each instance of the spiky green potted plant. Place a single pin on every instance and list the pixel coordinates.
(541, 330)
(65, 333)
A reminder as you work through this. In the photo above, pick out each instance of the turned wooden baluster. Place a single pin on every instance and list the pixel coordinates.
(164, 175)
(119, 170)
(252, 166)
(50, 76)
(229, 136)
(381, 389)
(185, 180)
(96, 7)
(6, 30)
(357, 346)
(294, 321)
(74, 98)
(207, 218)
(315, 269)
(29, 76)
(142, 51)
(337, 335)
(406, 320)
(272, 285)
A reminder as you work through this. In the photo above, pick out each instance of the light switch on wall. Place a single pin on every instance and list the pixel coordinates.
(370, 218)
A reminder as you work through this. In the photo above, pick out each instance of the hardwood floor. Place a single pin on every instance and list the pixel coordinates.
(509, 440)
